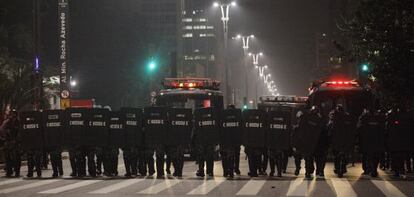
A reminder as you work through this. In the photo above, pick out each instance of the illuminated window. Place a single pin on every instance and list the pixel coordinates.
(210, 27)
(203, 35)
(188, 35)
(187, 20)
(188, 27)
(210, 35)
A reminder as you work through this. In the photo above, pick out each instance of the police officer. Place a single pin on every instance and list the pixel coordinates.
(310, 126)
(371, 131)
(341, 128)
(399, 138)
(72, 161)
(12, 139)
(206, 137)
(230, 140)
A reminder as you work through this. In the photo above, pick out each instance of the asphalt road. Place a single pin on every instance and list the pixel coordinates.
(352, 185)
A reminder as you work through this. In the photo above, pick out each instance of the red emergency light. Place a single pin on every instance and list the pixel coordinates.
(201, 83)
(341, 83)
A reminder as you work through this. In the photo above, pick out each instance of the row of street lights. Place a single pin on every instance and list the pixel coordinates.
(225, 8)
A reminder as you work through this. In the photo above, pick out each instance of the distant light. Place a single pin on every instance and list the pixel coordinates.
(37, 67)
(250, 54)
(260, 53)
(251, 36)
(244, 106)
(265, 66)
(152, 65)
(324, 34)
(233, 3)
(181, 85)
(73, 83)
(216, 4)
(365, 67)
(238, 36)
(251, 102)
(161, 93)
(190, 85)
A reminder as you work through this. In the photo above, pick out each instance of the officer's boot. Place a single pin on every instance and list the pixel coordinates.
(272, 166)
(160, 166)
(237, 160)
(279, 165)
(200, 171)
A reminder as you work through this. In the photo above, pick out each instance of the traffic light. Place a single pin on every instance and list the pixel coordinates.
(152, 65)
(365, 67)
(244, 106)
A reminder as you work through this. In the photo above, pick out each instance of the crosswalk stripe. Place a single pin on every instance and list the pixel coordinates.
(206, 187)
(6, 182)
(70, 187)
(387, 188)
(116, 186)
(251, 188)
(343, 188)
(155, 189)
(27, 186)
(298, 187)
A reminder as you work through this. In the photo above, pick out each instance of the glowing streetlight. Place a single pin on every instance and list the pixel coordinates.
(73, 83)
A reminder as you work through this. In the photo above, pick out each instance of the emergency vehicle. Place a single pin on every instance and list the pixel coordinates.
(288, 103)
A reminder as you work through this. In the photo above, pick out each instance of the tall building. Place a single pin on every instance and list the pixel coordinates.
(182, 28)
(198, 44)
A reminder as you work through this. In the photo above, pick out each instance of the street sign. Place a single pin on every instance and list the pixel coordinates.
(64, 103)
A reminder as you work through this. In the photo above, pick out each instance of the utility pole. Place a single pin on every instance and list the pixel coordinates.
(37, 81)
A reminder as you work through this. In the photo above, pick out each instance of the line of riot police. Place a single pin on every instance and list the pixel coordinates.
(93, 138)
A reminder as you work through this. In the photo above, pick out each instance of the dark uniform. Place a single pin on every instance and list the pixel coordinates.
(254, 138)
(307, 141)
(230, 140)
(53, 124)
(180, 123)
(134, 142)
(342, 128)
(206, 137)
(32, 140)
(278, 139)
(371, 131)
(12, 144)
(155, 137)
(399, 138)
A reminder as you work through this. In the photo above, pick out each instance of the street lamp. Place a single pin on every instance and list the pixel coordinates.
(245, 46)
(73, 83)
(225, 8)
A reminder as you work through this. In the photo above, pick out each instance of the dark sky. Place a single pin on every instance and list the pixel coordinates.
(106, 48)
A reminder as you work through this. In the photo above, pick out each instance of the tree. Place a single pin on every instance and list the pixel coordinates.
(382, 35)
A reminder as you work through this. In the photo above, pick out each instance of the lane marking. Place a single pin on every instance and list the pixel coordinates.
(155, 189)
(388, 189)
(27, 186)
(343, 188)
(117, 186)
(70, 187)
(6, 182)
(252, 187)
(298, 187)
(206, 187)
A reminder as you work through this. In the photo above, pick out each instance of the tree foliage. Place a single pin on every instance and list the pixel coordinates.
(382, 34)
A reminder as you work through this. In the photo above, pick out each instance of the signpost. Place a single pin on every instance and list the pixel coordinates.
(63, 17)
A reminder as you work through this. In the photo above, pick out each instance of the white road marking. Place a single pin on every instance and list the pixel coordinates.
(70, 187)
(155, 189)
(116, 186)
(388, 189)
(27, 186)
(251, 188)
(6, 182)
(206, 187)
(343, 188)
(298, 187)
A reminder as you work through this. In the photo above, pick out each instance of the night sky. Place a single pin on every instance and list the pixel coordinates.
(107, 46)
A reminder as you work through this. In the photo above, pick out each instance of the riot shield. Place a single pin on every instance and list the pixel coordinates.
(306, 136)
(371, 132)
(97, 133)
(206, 131)
(231, 127)
(76, 121)
(255, 127)
(31, 130)
(116, 129)
(53, 128)
(155, 125)
(180, 126)
(399, 127)
(134, 133)
(278, 134)
(343, 133)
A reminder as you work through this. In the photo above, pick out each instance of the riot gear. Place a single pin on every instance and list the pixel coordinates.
(32, 140)
(230, 140)
(54, 126)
